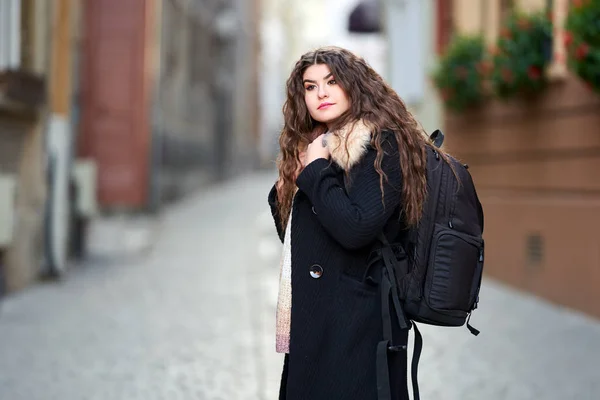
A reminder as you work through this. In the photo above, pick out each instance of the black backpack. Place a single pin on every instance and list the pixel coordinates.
(437, 278)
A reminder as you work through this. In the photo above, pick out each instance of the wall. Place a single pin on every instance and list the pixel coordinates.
(115, 107)
(412, 56)
(429, 112)
(22, 151)
(534, 163)
(535, 166)
(273, 71)
(206, 116)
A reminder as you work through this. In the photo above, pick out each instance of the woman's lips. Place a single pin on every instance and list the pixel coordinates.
(325, 106)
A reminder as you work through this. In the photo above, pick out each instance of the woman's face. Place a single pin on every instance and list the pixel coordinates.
(324, 98)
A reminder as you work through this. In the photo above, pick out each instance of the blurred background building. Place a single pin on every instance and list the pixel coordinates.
(116, 106)
(124, 106)
(534, 164)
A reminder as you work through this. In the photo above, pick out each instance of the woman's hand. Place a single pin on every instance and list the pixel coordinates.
(301, 164)
(317, 149)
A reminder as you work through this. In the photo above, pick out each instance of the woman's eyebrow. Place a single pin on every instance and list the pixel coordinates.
(311, 81)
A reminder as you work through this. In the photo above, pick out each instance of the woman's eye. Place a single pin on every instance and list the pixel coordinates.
(332, 82)
(311, 87)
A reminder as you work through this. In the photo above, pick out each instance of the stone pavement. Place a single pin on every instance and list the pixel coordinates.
(192, 317)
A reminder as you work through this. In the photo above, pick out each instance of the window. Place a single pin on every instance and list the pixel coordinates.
(10, 34)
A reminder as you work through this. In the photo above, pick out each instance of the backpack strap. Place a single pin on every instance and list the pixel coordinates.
(393, 265)
(418, 346)
(389, 290)
(386, 345)
(382, 367)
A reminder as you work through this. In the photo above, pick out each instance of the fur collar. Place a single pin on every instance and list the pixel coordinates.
(348, 145)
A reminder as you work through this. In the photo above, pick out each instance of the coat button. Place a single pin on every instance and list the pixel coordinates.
(316, 271)
(313, 210)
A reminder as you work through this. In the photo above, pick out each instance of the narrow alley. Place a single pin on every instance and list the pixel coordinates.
(193, 318)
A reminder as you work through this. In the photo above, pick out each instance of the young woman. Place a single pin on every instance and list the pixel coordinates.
(352, 166)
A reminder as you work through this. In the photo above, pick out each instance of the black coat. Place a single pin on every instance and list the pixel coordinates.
(336, 319)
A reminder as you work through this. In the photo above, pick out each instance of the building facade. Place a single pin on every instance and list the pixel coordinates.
(115, 106)
(36, 138)
(534, 163)
(205, 111)
(412, 54)
(169, 96)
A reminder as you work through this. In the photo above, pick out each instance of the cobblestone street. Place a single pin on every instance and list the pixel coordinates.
(193, 317)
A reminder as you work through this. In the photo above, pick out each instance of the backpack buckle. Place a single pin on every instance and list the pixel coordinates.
(397, 349)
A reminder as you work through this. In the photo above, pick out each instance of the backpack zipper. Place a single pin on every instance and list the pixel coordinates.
(452, 193)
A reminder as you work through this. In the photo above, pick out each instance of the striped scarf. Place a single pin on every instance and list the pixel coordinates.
(284, 300)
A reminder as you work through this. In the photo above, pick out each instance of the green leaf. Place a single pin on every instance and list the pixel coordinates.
(527, 46)
(583, 23)
(457, 76)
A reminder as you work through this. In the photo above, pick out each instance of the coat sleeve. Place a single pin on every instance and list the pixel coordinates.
(356, 218)
(272, 199)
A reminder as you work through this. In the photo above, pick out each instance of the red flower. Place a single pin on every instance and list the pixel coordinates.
(507, 75)
(461, 72)
(577, 3)
(506, 33)
(446, 94)
(523, 23)
(550, 15)
(534, 72)
(568, 38)
(582, 51)
(484, 67)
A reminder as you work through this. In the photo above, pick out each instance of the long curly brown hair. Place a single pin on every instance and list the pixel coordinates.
(372, 100)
